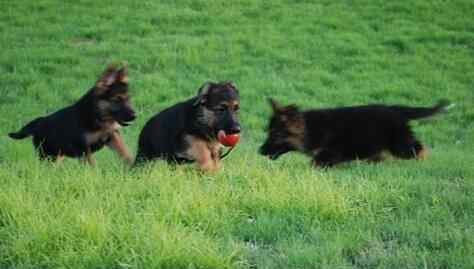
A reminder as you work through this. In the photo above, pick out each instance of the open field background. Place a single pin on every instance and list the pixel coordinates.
(253, 213)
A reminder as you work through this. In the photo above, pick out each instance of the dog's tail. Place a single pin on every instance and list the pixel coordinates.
(27, 130)
(412, 113)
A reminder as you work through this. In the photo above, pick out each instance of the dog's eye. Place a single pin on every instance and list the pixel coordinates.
(221, 108)
(236, 108)
(278, 135)
(119, 99)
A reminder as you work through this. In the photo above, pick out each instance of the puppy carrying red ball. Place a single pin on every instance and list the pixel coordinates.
(194, 130)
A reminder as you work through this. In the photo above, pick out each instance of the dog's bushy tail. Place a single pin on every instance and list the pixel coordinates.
(412, 113)
(27, 130)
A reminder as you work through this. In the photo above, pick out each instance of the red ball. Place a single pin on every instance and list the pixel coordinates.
(229, 140)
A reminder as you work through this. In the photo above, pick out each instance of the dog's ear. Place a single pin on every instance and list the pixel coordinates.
(291, 109)
(203, 92)
(289, 113)
(107, 78)
(231, 84)
(122, 74)
(275, 105)
(285, 113)
(111, 75)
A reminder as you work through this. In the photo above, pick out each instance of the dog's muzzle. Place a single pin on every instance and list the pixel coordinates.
(271, 154)
(126, 119)
(233, 130)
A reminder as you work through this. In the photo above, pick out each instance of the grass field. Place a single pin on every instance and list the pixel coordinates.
(254, 213)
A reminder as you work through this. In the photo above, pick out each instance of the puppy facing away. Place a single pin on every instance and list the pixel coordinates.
(81, 129)
(187, 131)
(335, 135)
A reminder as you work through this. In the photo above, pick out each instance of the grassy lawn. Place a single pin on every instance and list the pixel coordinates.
(254, 213)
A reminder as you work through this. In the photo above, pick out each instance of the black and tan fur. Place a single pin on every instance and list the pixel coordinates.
(187, 131)
(85, 127)
(336, 135)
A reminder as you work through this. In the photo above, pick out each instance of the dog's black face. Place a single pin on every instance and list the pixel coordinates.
(285, 132)
(218, 106)
(277, 140)
(111, 97)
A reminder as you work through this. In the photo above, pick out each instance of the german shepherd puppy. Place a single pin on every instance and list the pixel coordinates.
(335, 135)
(86, 126)
(187, 132)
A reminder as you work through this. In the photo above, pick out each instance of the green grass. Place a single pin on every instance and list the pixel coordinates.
(254, 213)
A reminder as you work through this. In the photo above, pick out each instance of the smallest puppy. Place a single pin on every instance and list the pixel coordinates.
(335, 135)
(86, 126)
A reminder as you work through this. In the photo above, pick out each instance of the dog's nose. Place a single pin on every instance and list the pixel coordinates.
(234, 129)
(132, 115)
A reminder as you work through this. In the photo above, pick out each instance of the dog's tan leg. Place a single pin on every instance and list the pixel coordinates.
(88, 157)
(116, 144)
(215, 155)
(203, 157)
(206, 163)
(199, 151)
(59, 158)
(422, 154)
(376, 158)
